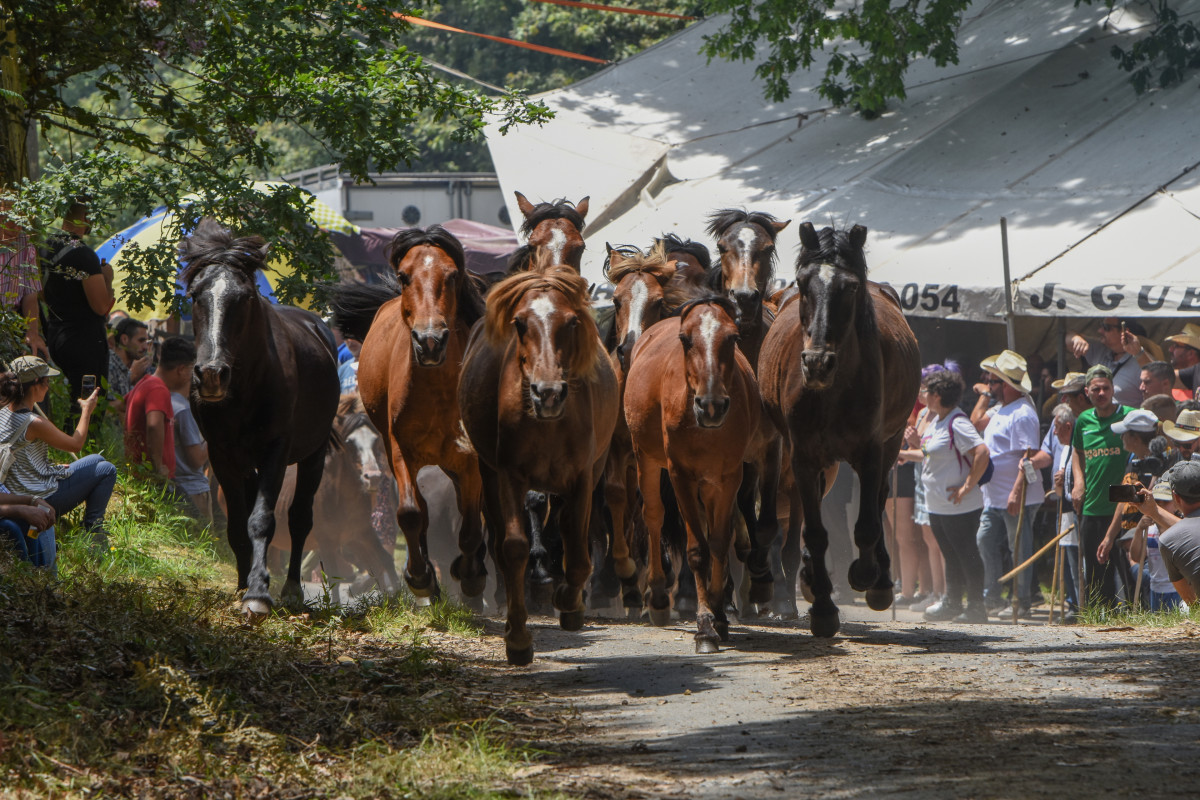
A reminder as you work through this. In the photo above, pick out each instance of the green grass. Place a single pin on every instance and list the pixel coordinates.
(1097, 614)
(134, 674)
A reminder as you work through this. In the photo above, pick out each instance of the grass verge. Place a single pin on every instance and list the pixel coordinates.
(133, 675)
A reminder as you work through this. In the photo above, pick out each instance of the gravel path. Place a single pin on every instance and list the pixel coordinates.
(885, 709)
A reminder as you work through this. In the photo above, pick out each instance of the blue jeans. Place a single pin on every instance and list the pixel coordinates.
(40, 550)
(90, 479)
(1164, 601)
(1070, 553)
(996, 537)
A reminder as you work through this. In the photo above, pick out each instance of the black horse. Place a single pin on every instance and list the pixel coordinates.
(264, 393)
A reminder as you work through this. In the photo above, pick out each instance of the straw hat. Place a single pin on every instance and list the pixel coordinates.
(1009, 367)
(1189, 337)
(1185, 428)
(1073, 382)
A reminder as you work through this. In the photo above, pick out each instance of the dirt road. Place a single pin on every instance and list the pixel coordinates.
(885, 709)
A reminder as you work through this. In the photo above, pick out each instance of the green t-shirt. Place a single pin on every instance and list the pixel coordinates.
(1104, 459)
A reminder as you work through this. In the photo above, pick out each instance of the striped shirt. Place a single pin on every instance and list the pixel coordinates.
(18, 269)
(31, 473)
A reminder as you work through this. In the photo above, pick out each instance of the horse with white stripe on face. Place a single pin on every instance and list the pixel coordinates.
(552, 230)
(693, 407)
(264, 394)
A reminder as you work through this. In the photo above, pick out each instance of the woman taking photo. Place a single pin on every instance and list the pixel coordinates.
(954, 458)
(89, 480)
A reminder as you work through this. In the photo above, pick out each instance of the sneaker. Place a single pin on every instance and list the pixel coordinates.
(994, 605)
(1071, 618)
(1007, 613)
(1038, 599)
(974, 615)
(924, 602)
(942, 611)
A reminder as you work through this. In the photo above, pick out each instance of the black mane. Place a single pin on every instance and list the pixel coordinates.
(435, 236)
(673, 244)
(623, 249)
(727, 305)
(836, 250)
(558, 209)
(723, 220)
(212, 243)
(521, 259)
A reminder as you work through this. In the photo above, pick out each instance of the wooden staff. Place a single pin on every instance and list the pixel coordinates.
(1029, 561)
(1054, 587)
(1137, 589)
(1016, 601)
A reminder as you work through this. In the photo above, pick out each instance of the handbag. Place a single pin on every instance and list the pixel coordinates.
(991, 468)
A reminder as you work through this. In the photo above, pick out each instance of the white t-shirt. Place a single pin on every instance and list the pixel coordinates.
(947, 464)
(1159, 581)
(1068, 516)
(1008, 434)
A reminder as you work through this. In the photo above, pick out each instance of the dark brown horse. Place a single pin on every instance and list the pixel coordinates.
(839, 374)
(539, 404)
(555, 229)
(414, 335)
(694, 259)
(264, 393)
(692, 407)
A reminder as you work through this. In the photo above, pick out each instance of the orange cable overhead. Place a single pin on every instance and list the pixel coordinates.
(554, 51)
(616, 9)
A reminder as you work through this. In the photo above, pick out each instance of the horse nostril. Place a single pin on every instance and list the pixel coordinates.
(721, 406)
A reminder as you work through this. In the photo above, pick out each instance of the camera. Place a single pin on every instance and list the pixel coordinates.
(1122, 493)
(89, 385)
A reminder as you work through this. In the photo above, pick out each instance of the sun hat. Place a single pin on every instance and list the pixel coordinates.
(1139, 420)
(31, 368)
(1011, 368)
(1185, 428)
(1161, 491)
(1184, 480)
(1189, 338)
(1073, 382)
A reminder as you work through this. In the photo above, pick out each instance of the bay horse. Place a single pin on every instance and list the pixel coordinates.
(414, 332)
(646, 289)
(693, 256)
(555, 228)
(692, 406)
(539, 403)
(264, 393)
(746, 247)
(839, 374)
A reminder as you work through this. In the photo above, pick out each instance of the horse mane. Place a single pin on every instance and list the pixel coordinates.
(835, 249)
(719, 300)
(521, 259)
(557, 209)
(470, 290)
(723, 220)
(213, 243)
(675, 292)
(673, 244)
(506, 295)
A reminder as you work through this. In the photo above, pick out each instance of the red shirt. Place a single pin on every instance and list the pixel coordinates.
(149, 394)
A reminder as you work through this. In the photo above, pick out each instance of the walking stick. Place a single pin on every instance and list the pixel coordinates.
(1056, 580)
(1016, 602)
(1137, 590)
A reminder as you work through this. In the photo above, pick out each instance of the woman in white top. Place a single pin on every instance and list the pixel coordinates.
(954, 459)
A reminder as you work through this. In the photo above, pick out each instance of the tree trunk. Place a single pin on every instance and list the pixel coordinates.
(14, 126)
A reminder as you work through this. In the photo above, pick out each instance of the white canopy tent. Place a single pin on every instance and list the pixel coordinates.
(1035, 124)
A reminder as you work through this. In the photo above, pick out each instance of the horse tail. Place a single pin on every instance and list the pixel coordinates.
(355, 305)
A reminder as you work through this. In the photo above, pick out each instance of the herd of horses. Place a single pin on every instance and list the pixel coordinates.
(630, 439)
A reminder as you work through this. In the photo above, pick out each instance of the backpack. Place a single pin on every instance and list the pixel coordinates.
(991, 468)
(9, 449)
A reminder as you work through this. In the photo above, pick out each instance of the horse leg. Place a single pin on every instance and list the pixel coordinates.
(868, 573)
(238, 490)
(793, 562)
(823, 616)
(657, 601)
(300, 522)
(493, 520)
(699, 558)
(762, 582)
(719, 499)
(260, 527)
(469, 568)
(616, 497)
(514, 556)
(413, 518)
(538, 511)
(605, 584)
(576, 519)
(676, 543)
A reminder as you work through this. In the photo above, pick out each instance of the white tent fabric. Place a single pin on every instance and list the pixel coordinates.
(1035, 124)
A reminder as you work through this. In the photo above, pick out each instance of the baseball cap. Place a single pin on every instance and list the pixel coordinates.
(1098, 371)
(1184, 480)
(31, 368)
(1161, 491)
(1139, 420)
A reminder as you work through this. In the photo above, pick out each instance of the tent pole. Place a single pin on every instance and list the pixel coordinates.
(1008, 301)
(1062, 347)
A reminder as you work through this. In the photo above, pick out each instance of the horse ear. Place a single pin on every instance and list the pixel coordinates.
(262, 252)
(808, 236)
(582, 206)
(779, 226)
(615, 257)
(523, 204)
(858, 236)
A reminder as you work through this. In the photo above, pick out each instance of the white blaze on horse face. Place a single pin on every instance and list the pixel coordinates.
(637, 308)
(558, 242)
(746, 238)
(364, 440)
(709, 325)
(221, 287)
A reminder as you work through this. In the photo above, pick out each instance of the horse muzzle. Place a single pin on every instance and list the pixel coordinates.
(210, 382)
(748, 303)
(549, 399)
(429, 346)
(711, 411)
(819, 367)
(625, 350)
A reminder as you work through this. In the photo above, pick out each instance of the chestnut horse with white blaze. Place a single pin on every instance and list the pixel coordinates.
(552, 230)
(692, 407)
(839, 373)
(414, 333)
(539, 403)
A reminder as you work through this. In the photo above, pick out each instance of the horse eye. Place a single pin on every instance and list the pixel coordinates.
(616, 302)
(573, 323)
(519, 324)
(686, 340)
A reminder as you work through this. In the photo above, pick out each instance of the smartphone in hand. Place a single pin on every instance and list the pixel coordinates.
(1122, 493)
(89, 385)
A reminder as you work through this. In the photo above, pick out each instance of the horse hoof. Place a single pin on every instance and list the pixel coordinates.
(519, 657)
(824, 626)
(570, 620)
(632, 598)
(879, 599)
(660, 617)
(632, 613)
(705, 645)
(422, 601)
(761, 591)
(722, 630)
(473, 587)
(685, 606)
(255, 611)
(862, 575)
(426, 587)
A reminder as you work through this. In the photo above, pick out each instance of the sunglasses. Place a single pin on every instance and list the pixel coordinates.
(993, 381)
